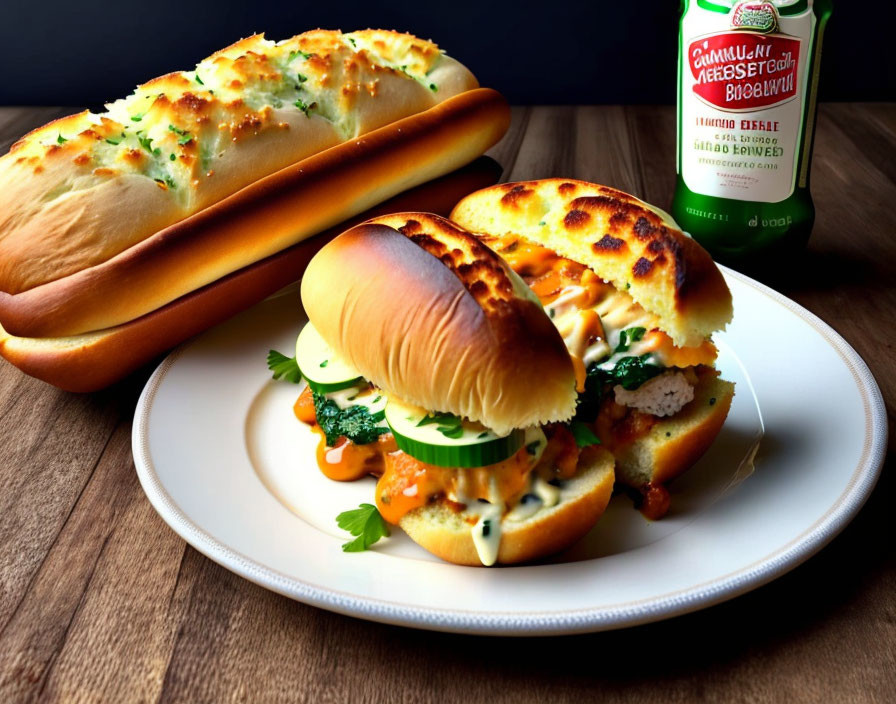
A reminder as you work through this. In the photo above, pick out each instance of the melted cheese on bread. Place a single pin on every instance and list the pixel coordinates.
(188, 139)
(591, 313)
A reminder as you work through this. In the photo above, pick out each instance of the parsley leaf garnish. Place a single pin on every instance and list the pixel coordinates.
(451, 431)
(137, 117)
(146, 143)
(440, 418)
(304, 107)
(449, 424)
(61, 140)
(302, 77)
(298, 52)
(355, 422)
(583, 434)
(366, 523)
(198, 79)
(588, 402)
(185, 136)
(631, 372)
(284, 367)
(627, 337)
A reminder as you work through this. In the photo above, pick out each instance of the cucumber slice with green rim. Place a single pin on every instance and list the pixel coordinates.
(320, 366)
(447, 441)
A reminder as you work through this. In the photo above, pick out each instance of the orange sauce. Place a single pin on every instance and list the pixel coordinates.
(526, 259)
(346, 461)
(304, 407)
(561, 454)
(406, 483)
(661, 343)
(655, 501)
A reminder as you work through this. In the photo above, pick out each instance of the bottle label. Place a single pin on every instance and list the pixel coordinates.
(742, 99)
(737, 72)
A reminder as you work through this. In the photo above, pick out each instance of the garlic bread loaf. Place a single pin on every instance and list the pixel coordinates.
(80, 190)
(106, 218)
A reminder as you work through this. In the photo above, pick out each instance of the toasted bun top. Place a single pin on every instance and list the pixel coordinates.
(633, 245)
(427, 312)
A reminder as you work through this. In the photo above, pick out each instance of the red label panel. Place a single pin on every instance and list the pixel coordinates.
(743, 70)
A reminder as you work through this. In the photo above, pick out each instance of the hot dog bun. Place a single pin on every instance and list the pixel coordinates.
(261, 219)
(412, 296)
(94, 360)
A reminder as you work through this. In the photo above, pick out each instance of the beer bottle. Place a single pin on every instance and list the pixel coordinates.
(747, 90)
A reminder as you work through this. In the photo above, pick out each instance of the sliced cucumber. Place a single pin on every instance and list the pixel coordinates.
(321, 366)
(445, 440)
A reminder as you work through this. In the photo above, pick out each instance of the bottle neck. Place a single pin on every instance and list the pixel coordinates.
(784, 7)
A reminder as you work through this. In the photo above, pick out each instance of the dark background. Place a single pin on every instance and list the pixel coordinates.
(86, 52)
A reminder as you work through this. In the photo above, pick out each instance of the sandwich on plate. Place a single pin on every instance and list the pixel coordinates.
(636, 301)
(432, 366)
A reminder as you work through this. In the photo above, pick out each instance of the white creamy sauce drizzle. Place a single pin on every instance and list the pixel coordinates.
(528, 506)
(486, 532)
(617, 312)
(548, 494)
(539, 495)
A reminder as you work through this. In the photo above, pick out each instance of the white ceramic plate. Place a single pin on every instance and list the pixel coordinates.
(225, 463)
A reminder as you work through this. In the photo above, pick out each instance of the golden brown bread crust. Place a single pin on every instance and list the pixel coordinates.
(411, 296)
(95, 360)
(186, 140)
(658, 458)
(624, 240)
(262, 219)
(445, 534)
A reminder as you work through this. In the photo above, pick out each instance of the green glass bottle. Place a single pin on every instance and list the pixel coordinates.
(747, 96)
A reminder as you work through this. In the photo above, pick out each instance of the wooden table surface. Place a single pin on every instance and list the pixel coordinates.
(101, 601)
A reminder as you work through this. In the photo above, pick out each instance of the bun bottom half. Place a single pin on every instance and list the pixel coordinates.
(94, 360)
(674, 444)
(583, 499)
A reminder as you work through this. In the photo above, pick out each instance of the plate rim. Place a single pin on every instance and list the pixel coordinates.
(557, 622)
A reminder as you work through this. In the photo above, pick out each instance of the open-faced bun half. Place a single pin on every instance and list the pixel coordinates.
(621, 238)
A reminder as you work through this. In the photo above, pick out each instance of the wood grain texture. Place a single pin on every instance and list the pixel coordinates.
(101, 601)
